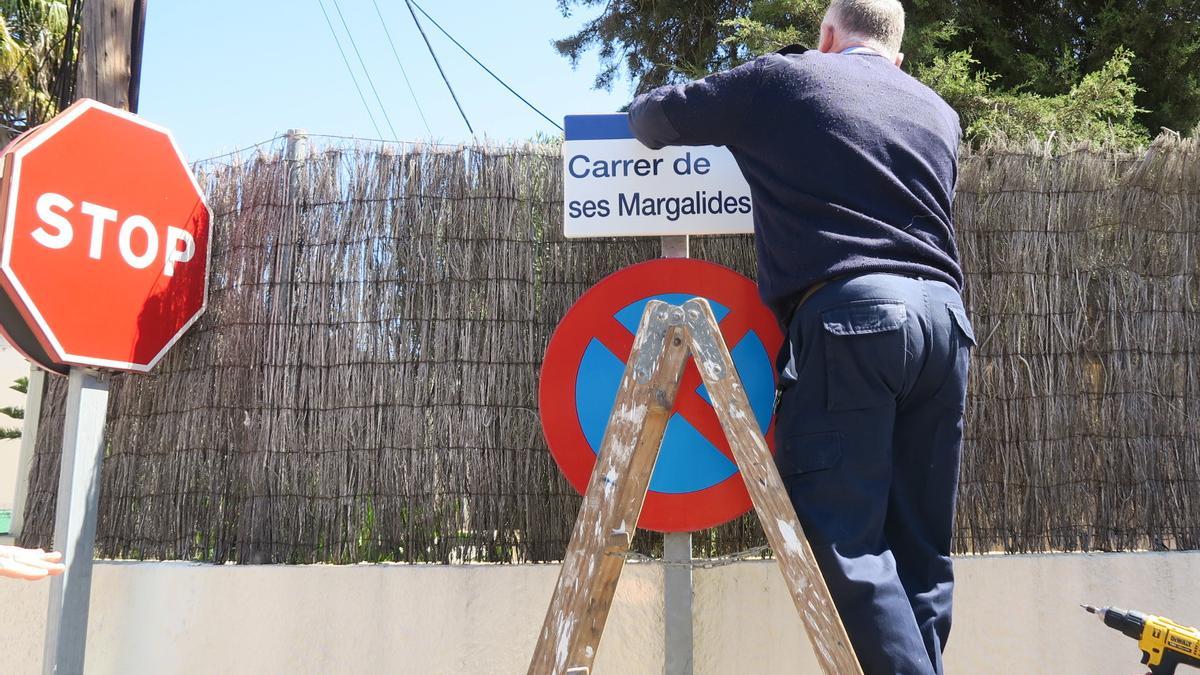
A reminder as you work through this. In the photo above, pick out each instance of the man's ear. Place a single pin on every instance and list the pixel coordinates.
(826, 42)
(899, 59)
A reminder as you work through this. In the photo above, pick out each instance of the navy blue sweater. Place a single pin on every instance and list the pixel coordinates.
(851, 164)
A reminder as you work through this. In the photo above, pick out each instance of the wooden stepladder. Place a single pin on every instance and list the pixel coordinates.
(608, 517)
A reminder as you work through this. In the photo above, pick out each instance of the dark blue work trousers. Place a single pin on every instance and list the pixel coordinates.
(868, 435)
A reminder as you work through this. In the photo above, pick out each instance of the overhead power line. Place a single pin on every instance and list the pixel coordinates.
(366, 72)
(486, 69)
(350, 70)
(403, 72)
(439, 65)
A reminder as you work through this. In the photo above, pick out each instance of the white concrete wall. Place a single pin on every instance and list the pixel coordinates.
(1014, 614)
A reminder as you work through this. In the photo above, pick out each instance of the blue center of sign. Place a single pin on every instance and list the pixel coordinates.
(687, 461)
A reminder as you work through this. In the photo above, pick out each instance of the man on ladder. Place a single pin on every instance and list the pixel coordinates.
(851, 165)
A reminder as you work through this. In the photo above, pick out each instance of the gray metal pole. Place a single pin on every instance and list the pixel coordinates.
(677, 603)
(75, 521)
(677, 549)
(675, 246)
(29, 432)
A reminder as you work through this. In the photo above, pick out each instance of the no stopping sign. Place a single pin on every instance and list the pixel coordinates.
(695, 483)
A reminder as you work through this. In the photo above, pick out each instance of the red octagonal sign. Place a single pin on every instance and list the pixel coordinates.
(106, 238)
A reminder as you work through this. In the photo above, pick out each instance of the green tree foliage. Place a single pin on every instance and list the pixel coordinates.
(1089, 101)
(1046, 47)
(1098, 108)
(35, 78)
(661, 41)
(769, 25)
(655, 41)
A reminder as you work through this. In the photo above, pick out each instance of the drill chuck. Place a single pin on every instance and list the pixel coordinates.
(1129, 622)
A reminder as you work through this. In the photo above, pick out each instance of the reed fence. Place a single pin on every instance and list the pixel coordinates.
(363, 385)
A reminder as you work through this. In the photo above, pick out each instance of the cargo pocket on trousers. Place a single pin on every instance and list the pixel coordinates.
(805, 453)
(953, 391)
(865, 353)
(805, 464)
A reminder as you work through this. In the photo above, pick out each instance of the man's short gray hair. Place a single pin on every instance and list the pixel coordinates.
(880, 21)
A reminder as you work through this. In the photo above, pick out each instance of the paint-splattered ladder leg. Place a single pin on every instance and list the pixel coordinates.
(754, 460)
(608, 517)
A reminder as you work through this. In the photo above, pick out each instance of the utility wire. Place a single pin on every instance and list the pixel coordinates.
(488, 70)
(350, 70)
(402, 70)
(366, 72)
(439, 66)
(239, 151)
(339, 137)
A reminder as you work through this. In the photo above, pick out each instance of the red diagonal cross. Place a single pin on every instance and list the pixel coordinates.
(688, 403)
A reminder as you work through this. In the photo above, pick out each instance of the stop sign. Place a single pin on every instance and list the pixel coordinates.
(106, 238)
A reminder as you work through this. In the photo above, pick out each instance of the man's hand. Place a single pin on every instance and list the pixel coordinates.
(30, 564)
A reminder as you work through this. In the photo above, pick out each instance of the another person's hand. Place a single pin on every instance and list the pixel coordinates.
(29, 563)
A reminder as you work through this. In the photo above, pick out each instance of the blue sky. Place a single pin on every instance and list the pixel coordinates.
(224, 74)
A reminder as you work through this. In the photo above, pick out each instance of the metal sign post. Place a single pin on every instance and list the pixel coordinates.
(101, 200)
(678, 641)
(75, 520)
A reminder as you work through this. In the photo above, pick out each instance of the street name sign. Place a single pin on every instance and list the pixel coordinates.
(613, 186)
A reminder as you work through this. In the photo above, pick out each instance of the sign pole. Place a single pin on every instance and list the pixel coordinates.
(75, 520)
(677, 603)
(678, 645)
(104, 75)
(147, 277)
(608, 517)
(146, 273)
(675, 246)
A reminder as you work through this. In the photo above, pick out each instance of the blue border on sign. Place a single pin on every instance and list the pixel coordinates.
(602, 127)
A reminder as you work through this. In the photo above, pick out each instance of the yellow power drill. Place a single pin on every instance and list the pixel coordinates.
(1164, 643)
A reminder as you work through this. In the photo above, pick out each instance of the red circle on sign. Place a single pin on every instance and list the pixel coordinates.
(592, 317)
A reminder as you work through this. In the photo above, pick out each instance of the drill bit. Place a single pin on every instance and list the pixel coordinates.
(1100, 612)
